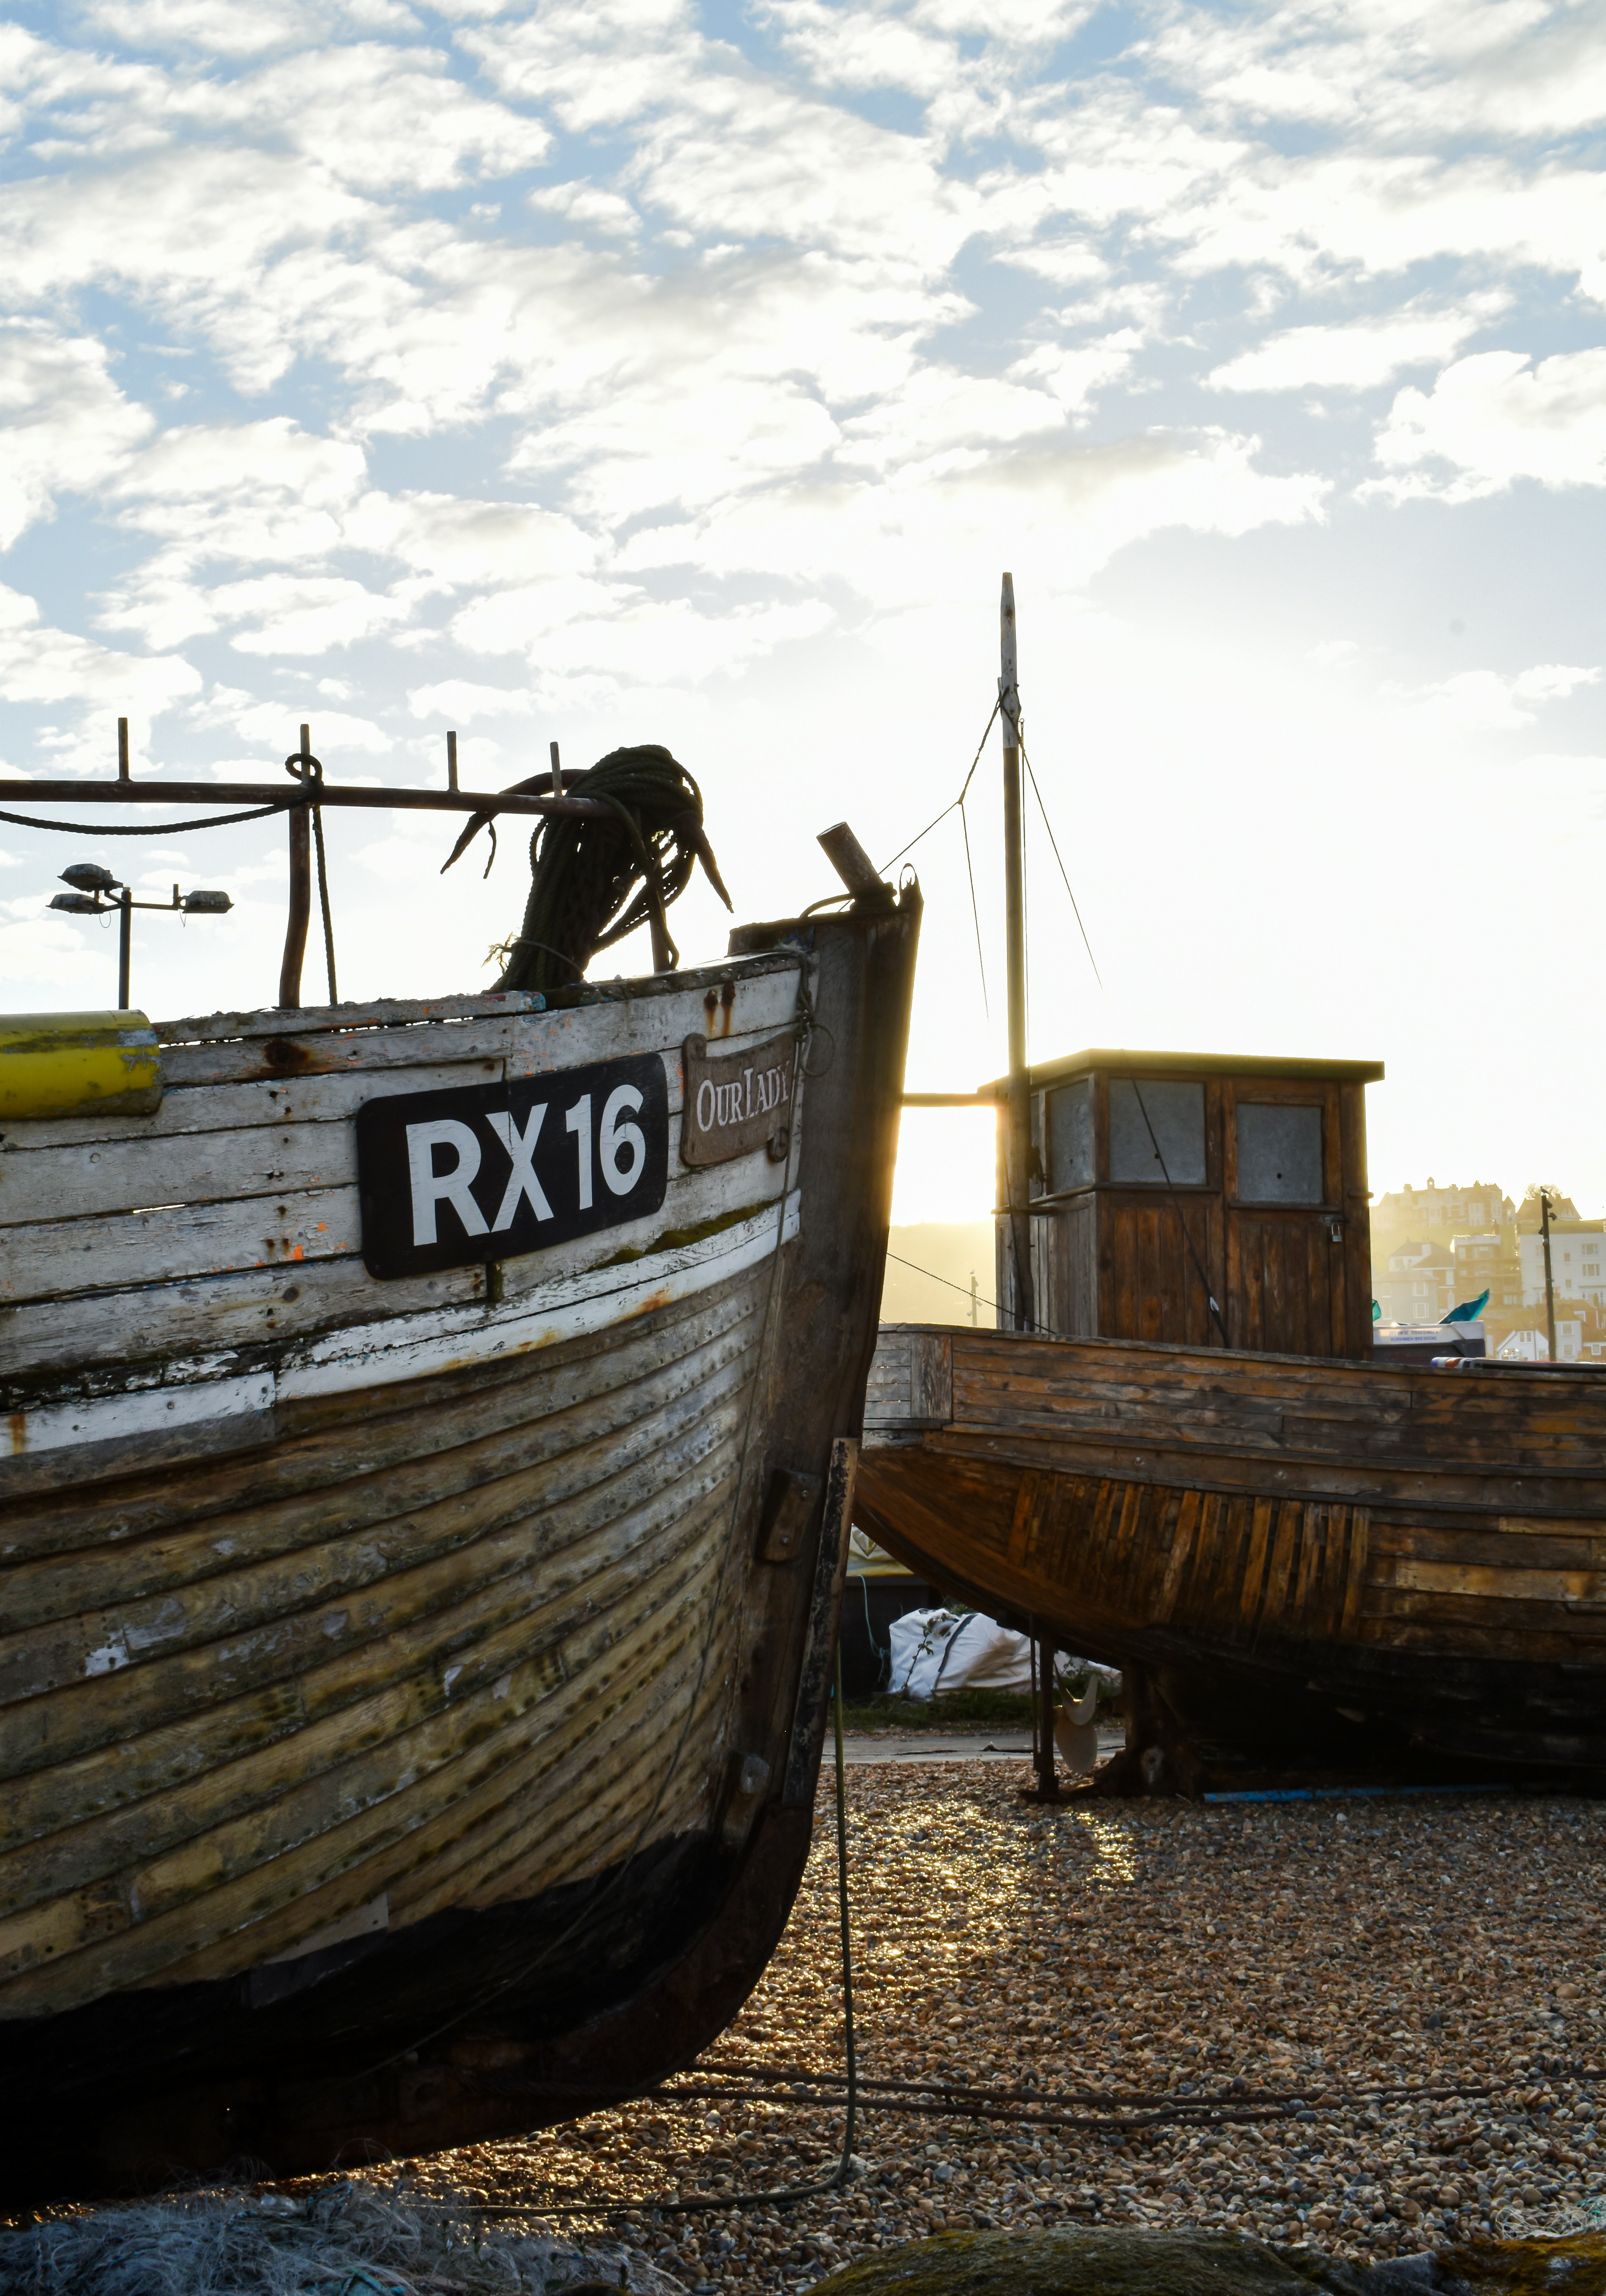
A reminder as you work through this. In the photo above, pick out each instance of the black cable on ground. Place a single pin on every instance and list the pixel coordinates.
(1133, 2113)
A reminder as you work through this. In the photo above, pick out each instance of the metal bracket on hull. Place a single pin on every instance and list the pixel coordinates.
(803, 1759)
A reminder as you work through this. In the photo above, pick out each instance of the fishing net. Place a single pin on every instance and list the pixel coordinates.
(348, 2239)
(592, 881)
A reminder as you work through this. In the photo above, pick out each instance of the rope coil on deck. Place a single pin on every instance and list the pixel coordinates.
(592, 881)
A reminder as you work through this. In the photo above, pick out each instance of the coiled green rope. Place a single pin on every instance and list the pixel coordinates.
(592, 881)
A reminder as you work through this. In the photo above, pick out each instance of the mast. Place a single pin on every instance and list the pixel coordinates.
(1018, 1115)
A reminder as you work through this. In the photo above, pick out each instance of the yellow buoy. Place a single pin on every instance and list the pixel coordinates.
(65, 1063)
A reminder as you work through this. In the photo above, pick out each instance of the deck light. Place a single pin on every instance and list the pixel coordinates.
(99, 894)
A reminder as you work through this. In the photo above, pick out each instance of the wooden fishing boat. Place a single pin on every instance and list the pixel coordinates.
(1181, 1455)
(1303, 1565)
(431, 1434)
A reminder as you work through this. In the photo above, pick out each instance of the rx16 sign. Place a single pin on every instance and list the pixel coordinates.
(449, 1179)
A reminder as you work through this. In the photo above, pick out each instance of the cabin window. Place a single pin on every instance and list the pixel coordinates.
(1279, 1154)
(1168, 1146)
(1069, 1158)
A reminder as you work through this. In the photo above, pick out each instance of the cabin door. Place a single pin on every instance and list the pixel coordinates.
(1287, 1276)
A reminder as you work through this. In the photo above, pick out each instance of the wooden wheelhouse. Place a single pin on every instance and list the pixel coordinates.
(1197, 1199)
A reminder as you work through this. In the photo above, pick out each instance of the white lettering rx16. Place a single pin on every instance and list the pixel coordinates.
(431, 1188)
(621, 1151)
(622, 1137)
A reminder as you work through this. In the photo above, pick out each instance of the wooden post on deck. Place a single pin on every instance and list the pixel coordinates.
(300, 891)
(1018, 1116)
(1048, 1779)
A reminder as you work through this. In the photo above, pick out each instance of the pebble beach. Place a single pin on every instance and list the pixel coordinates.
(1373, 2026)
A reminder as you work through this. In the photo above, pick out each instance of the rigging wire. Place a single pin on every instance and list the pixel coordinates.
(975, 911)
(981, 1299)
(948, 809)
(1048, 824)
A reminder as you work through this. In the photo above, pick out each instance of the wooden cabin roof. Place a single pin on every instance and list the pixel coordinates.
(1191, 1064)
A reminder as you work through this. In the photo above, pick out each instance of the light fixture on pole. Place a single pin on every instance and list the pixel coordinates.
(97, 893)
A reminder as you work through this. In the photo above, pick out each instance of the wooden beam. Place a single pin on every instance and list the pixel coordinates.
(1018, 1135)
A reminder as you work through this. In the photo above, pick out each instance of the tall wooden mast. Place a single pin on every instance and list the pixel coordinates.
(1018, 1121)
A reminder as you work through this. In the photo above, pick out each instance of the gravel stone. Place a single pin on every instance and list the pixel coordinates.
(1322, 1950)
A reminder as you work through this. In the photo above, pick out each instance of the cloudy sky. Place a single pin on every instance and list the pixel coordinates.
(646, 370)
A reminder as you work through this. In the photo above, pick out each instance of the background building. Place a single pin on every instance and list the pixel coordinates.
(1436, 1214)
(1418, 1285)
(1576, 1261)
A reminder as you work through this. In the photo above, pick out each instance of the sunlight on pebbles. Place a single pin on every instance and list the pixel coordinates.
(1346, 1956)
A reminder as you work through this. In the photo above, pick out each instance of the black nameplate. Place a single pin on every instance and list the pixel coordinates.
(489, 1172)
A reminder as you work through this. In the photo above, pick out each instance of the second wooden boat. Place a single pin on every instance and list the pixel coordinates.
(1183, 1455)
(1337, 1569)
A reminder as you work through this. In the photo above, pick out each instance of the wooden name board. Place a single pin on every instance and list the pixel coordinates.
(483, 1172)
(737, 1102)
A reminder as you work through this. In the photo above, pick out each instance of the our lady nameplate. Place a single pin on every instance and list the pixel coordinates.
(737, 1102)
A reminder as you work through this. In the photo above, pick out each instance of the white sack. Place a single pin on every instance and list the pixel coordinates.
(935, 1651)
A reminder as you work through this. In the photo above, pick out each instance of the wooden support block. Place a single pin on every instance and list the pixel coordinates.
(788, 1504)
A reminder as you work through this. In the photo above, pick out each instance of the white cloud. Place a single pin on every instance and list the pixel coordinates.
(287, 613)
(269, 723)
(1496, 418)
(1481, 700)
(1354, 356)
(461, 701)
(68, 427)
(586, 202)
(39, 664)
(469, 544)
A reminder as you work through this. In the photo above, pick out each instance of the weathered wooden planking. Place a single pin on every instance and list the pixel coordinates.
(329, 1449)
(225, 1107)
(539, 1042)
(1189, 1529)
(386, 1012)
(164, 1677)
(184, 1609)
(80, 1170)
(475, 1683)
(461, 1806)
(220, 1893)
(270, 1019)
(517, 1428)
(1298, 1407)
(478, 1670)
(175, 1242)
(91, 1334)
(548, 1315)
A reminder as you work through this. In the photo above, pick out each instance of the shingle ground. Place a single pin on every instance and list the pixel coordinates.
(1330, 1952)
